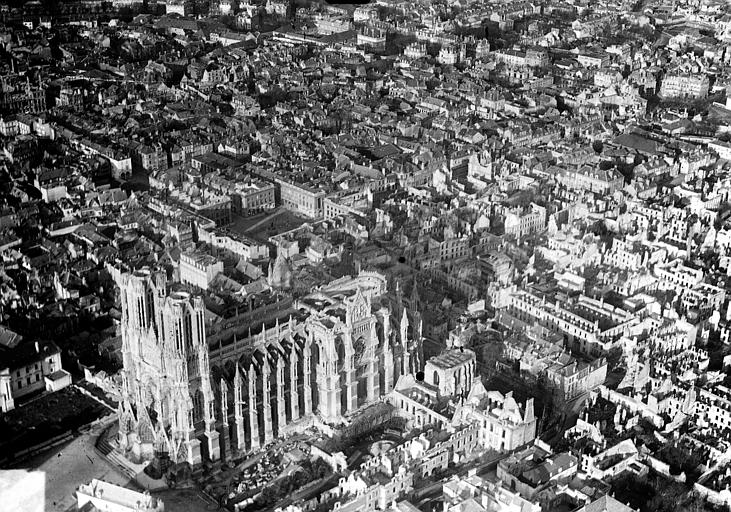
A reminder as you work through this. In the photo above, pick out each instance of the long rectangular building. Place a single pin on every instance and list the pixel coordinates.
(589, 326)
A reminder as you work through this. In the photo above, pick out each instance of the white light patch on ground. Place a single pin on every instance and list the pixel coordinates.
(22, 491)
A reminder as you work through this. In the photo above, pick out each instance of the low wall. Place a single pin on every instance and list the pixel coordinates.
(14, 458)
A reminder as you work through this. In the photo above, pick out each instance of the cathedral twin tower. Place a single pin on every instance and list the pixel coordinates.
(189, 399)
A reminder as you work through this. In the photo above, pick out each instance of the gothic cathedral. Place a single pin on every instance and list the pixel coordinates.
(190, 394)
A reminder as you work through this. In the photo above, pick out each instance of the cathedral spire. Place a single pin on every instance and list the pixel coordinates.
(224, 401)
(238, 381)
(399, 298)
(280, 273)
(415, 299)
(529, 413)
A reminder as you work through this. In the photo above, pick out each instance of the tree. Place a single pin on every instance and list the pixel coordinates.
(320, 468)
(270, 494)
(614, 357)
(301, 478)
(695, 504)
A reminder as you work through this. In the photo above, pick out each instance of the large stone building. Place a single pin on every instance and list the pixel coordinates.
(113, 498)
(504, 424)
(684, 85)
(18, 97)
(301, 198)
(28, 367)
(451, 372)
(199, 269)
(525, 223)
(588, 326)
(166, 379)
(451, 394)
(190, 397)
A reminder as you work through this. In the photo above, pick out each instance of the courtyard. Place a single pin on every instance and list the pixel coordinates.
(264, 225)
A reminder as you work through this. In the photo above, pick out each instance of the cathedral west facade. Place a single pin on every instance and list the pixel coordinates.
(194, 398)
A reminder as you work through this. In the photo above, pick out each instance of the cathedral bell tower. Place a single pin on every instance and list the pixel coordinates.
(167, 391)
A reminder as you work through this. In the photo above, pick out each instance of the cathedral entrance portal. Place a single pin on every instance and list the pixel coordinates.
(150, 402)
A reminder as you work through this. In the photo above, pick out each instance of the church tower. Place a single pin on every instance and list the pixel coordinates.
(166, 388)
(280, 273)
(416, 345)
